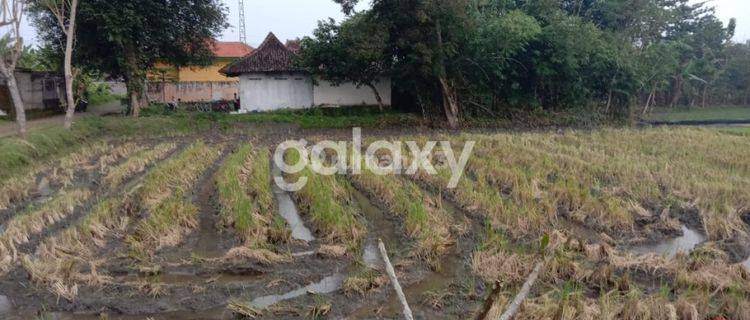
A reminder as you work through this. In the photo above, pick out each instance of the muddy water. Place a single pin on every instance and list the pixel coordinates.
(288, 210)
(5, 306)
(190, 279)
(209, 238)
(669, 248)
(452, 267)
(220, 313)
(327, 285)
(379, 227)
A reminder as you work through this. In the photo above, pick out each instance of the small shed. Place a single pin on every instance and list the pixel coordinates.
(269, 80)
(40, 91)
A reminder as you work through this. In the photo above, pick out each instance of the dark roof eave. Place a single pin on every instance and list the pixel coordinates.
(236, 74)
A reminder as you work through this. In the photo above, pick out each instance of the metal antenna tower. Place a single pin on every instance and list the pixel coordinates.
(243, 35)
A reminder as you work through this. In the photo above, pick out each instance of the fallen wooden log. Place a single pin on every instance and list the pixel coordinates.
(521, 296)
(394, 280)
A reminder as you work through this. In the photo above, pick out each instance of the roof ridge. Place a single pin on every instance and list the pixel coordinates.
(271, 56)
(271, 40)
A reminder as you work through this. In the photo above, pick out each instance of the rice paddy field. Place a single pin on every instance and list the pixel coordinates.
(649, 223)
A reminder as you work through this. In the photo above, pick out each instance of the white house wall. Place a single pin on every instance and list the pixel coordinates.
(264, 92)
(347, 94)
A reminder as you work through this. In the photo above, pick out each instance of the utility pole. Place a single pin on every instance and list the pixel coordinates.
(243, 35)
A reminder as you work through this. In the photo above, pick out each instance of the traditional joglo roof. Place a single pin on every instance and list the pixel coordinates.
(272, 56)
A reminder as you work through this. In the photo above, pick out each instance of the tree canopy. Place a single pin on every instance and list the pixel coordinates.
(355, 51)
(126, 38)
(492, 57)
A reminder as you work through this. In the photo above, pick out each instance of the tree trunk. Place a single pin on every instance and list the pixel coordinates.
(676, 91)
(449, 99)
(705, 95)
(134, 79)
(450, 103)
(135, 106)
(70, 36)
(650, 99)
(374, 89)
(15, 96)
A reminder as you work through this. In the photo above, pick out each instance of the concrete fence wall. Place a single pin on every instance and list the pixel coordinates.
(264, 92)
(193, 91)
(347, 94)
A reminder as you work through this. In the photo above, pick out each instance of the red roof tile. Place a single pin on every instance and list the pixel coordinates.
(271, 56)
(231, 49)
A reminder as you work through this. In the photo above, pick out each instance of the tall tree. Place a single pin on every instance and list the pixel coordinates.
(10, 18)
(354, 51)
(64, 12)
(425, 37)
(126, 38)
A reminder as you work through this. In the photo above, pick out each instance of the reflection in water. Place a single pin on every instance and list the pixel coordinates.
(5, 306)
(288, 210)
(379, 226)
(371, 255)
(327, 285)
(670, 247)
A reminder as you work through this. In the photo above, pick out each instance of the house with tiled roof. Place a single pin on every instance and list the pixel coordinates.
(198, 83)
(269, 80)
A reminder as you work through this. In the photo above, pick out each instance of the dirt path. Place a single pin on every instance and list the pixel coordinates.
(8, 128)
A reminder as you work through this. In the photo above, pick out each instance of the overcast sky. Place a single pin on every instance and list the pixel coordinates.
(290, 19)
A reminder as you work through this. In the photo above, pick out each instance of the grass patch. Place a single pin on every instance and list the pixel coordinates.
(136, 163)
(59, 257)
(699, 114)
(327, 200)
(163, 196)
(48, 143)
(540, 118)
(35, 220)
(244, 189)
(740, 131)
(608, 178)
(425, 220)
(343, 117)
(22, 185)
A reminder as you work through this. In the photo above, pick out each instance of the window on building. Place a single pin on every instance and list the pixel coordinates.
(281, 78)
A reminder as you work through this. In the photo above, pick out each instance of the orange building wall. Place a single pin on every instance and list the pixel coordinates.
(191, 84)
(210, 73)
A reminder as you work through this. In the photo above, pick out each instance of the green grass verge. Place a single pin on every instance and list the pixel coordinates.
(700, 114)
(343, 117)
(740, 131)
(53, 142)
